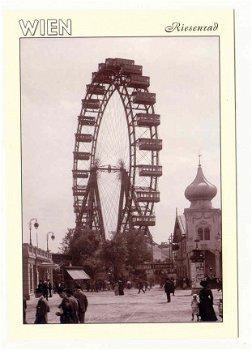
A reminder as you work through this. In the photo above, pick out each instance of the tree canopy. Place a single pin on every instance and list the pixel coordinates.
(124, 252)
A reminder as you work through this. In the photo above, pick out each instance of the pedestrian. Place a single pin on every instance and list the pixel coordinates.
(49, 284)
(42, 307)
(120, 287)
(195, 307)
(74, 305)
(116, 288)
(220, 308)
(206, 309)
(45, 289)
(140, 287)
(24, 310)
(168, 288)
(40, 284)
(82, 301)
(128, 284)
(146, 286)
(65, 308)
(174, 286)
(220, 303)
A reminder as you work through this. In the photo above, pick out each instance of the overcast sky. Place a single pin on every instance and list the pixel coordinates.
(184, 74)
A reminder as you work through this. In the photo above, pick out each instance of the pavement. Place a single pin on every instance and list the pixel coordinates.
(151, 306)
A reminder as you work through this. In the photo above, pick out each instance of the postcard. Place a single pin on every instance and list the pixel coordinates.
(121, 175)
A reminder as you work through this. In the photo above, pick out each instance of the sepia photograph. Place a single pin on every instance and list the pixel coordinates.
(121, 179)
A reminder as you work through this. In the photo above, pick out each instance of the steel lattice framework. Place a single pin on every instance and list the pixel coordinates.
(138, 190)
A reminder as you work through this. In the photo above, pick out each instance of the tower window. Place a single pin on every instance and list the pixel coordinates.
(206, 234)
(200, 233)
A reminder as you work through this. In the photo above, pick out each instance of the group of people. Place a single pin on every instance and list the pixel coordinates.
(143, 286)
(46, 287)
(72, 308)
(201, 304)
(74, 303)
(119, 288)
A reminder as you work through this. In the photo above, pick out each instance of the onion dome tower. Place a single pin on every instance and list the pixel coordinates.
(200, 192)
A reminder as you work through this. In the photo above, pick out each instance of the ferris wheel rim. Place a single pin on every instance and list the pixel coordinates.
(110, 89)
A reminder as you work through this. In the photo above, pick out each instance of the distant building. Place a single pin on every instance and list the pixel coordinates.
(161, 252)
(199, 227)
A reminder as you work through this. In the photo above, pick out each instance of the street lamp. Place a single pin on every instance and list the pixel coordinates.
(197, 241)
(36, 225)
(47, 237)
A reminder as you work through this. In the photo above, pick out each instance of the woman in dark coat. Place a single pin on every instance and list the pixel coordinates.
(120, 288)
(206, 309)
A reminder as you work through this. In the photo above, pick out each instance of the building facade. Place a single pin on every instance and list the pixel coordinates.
(37, 265)
(198, 229)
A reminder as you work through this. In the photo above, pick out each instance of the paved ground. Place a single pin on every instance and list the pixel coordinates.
(105, 307)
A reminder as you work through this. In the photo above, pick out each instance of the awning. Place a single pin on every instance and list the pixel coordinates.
(78, 274)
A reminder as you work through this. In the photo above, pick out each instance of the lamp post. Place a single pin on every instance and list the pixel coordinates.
(36, 225)
(47, 238)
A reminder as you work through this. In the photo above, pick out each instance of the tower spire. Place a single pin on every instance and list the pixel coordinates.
(200, 192)
(200, 155)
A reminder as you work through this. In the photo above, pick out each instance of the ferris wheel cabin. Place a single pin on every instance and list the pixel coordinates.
(84, 137)
(79, 191)
(128, 69)
(147, 120)
(148, 196)
(81, 155)
(96, 89)
(144, 220)
(150, 170)
(86, 120)
(98, 77)
(146, 98)
(91, 103)
(82, 174)
(150, 144)
(138, 81)
(118, 62)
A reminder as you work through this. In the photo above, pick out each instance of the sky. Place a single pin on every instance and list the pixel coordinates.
(184, 74)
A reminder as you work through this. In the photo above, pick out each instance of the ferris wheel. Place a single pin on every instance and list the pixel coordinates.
(116, 154)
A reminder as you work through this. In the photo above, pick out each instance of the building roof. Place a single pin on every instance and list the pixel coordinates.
(179, 228)
(200, 189)
(182, 223)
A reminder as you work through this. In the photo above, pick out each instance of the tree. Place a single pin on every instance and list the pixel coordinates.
(114, 254)
(138, 248)
(65, 244)
(84, 245)
(125, 251)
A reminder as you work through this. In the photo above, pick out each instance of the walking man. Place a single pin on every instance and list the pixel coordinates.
(49, 288)
(168, 288)
(140, 287)
(42, 307)
(74, 305)
(83, 303)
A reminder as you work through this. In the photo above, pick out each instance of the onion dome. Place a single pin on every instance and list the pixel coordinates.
(200, 192)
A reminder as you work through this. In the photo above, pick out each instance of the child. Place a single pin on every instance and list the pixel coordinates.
(195, 306)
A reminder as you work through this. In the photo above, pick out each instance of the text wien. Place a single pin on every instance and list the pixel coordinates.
(48, 27)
